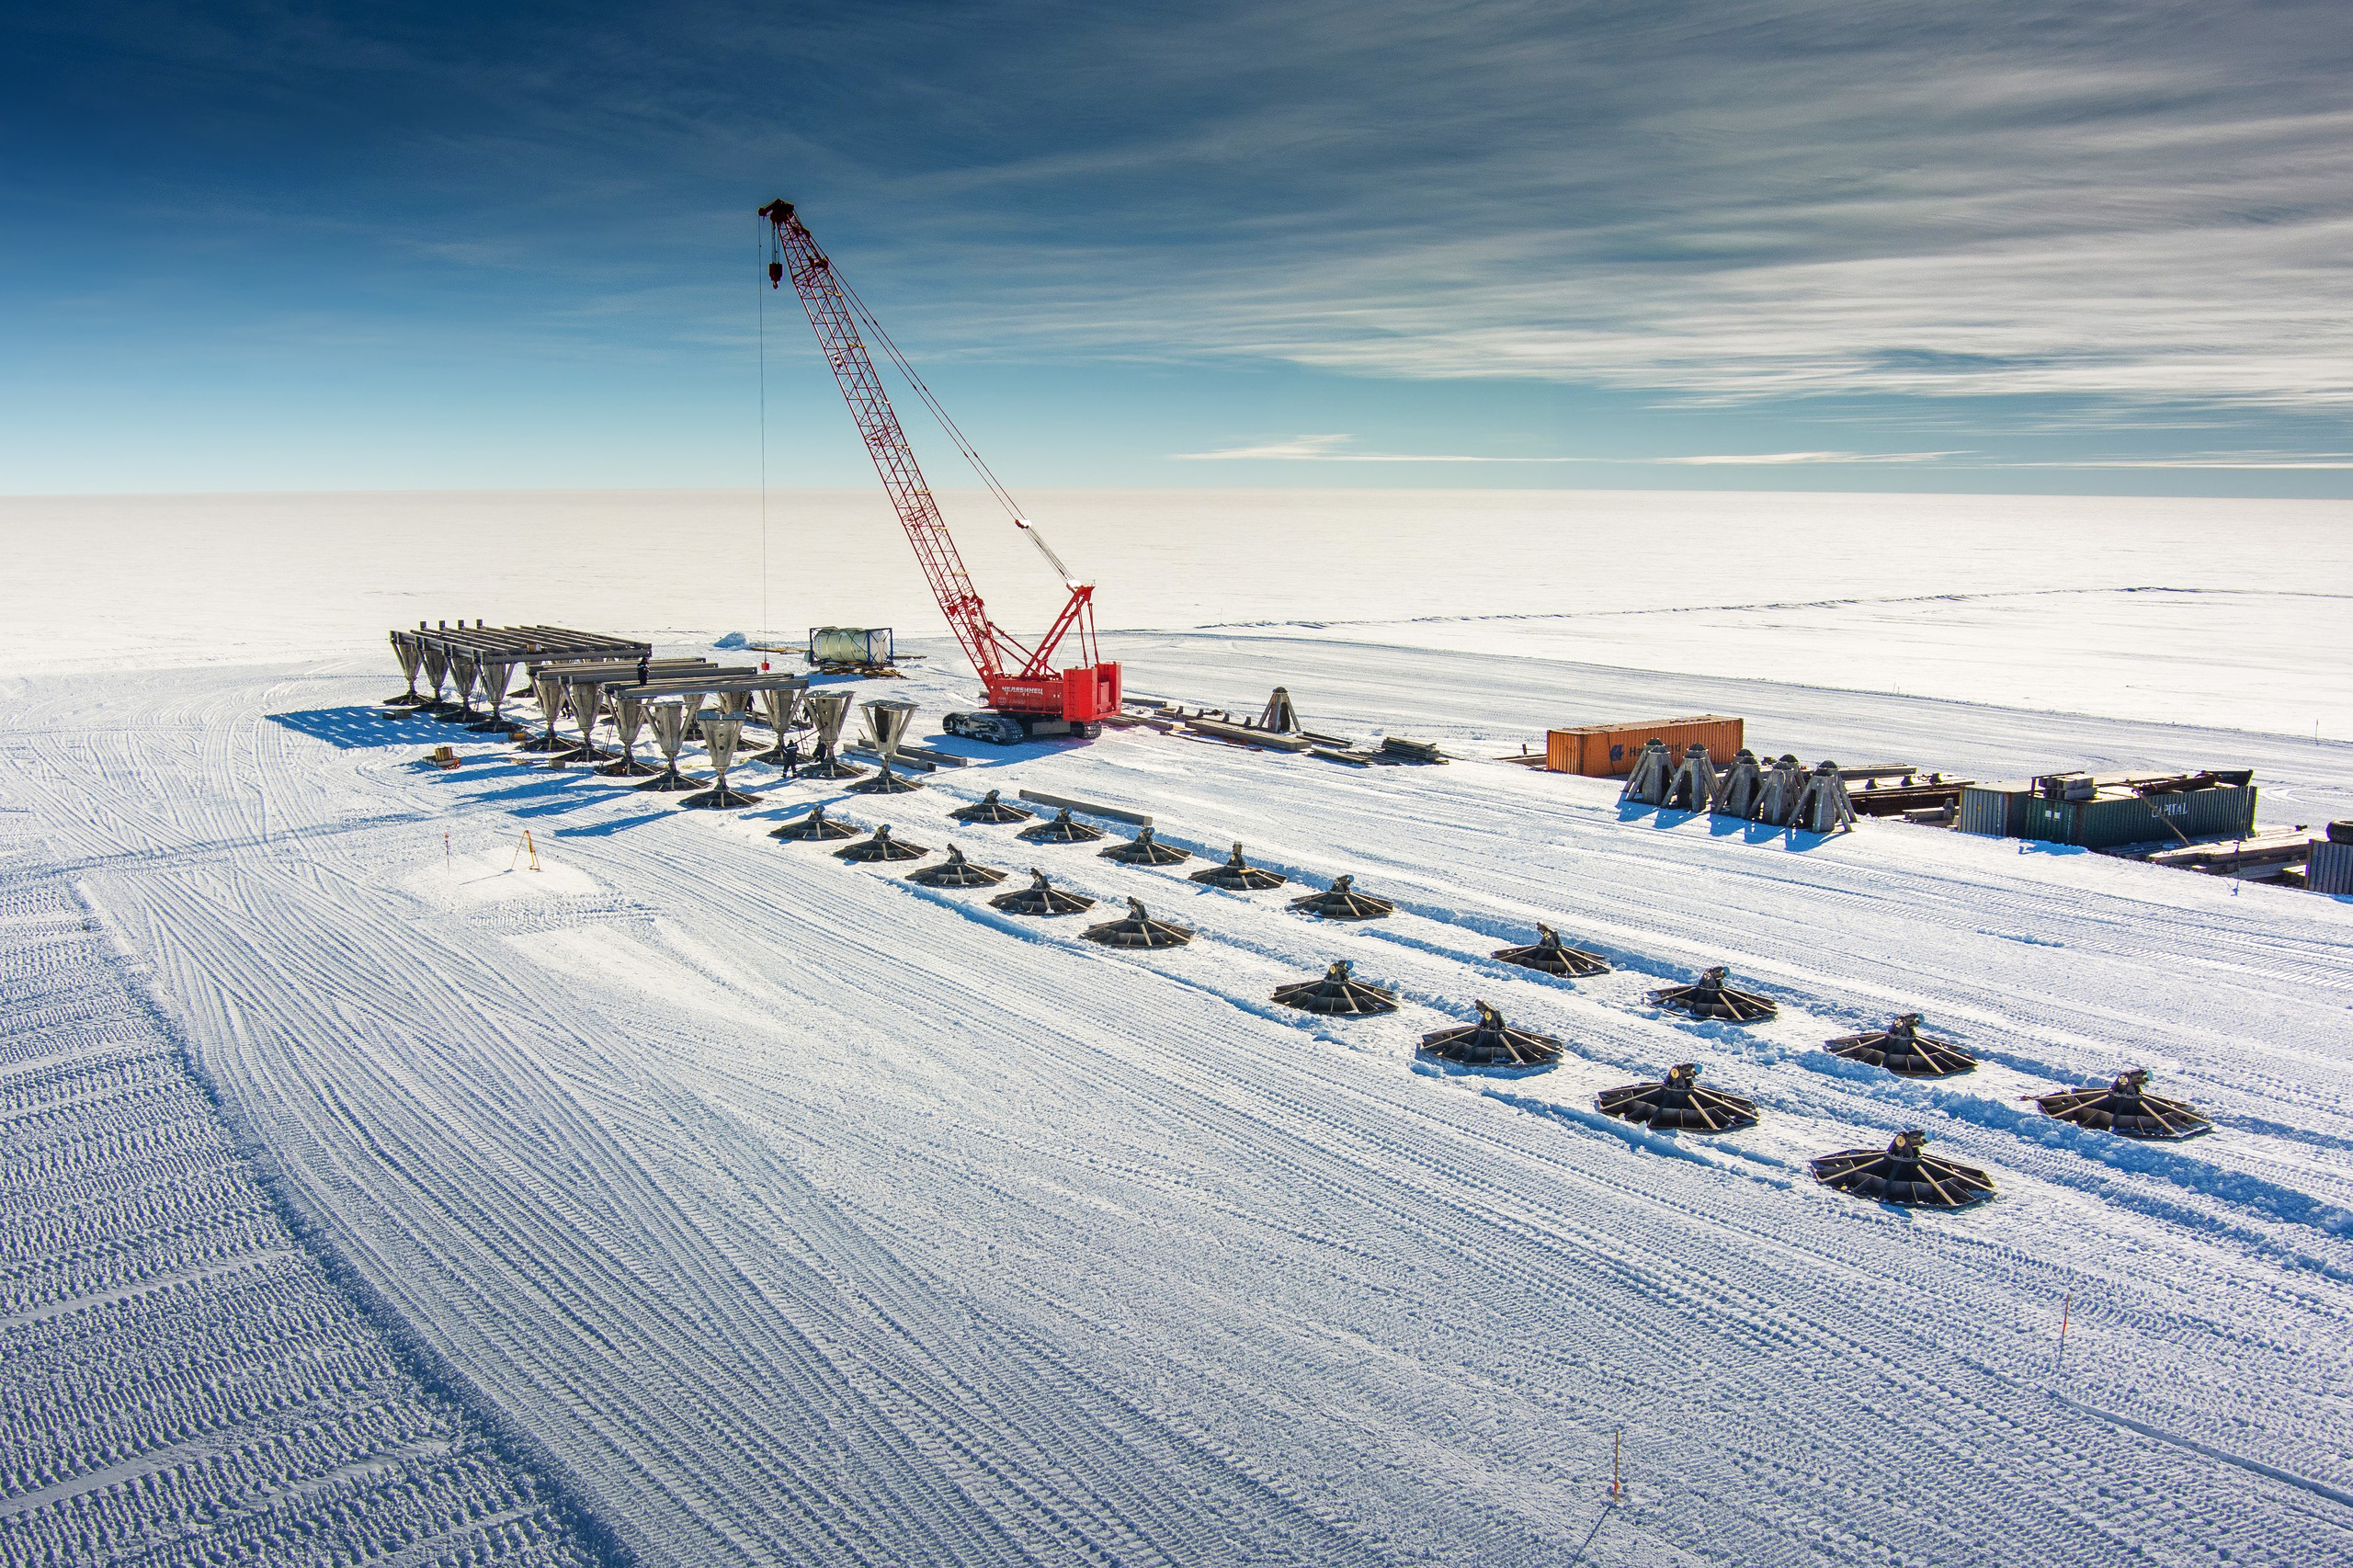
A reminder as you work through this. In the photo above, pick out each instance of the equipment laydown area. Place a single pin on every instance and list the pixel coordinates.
(770, 1206)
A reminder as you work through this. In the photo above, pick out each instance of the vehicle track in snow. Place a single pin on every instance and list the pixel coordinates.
(810, 1216)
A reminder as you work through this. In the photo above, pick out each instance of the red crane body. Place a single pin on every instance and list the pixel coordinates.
(1020, 680)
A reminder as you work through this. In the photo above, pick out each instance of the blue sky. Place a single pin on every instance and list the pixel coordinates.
(1997, 246)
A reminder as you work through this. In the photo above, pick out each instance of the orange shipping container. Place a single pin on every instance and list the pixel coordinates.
(1606, 751)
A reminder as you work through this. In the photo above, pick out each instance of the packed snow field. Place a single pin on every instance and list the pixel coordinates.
(2212, 612)
(790, 1213)
(182, 1383)
(701, 1199)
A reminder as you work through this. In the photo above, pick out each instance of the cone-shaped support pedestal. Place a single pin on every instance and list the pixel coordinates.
(1823, 805)
(827, 708)
(1145, 850)
(1041, 897)
(1060, 829)
(815, 827)
(495, 675)
(1902, 1173)
(1238, 875)
(882, 846)
(1490, 1042)
(587, 701)
(668, 721)
(1335, 993)
(463, 671)
(1677, 1103)
(1553, 958)
(1738, 785)
(957, 872)
(1694, 782)
(548, 689)
(2126, 1108)
(989, 809)
(411, 654)
(1139, 929)
(886, 726)
(780, 706)
(1710, 997)
(1646, 785)
(1342, 902)
(1778, 794)
(721, 732)
(1903, 1051)
(629, 720)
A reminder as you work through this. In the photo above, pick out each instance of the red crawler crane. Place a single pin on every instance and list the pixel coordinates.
(1030, 695)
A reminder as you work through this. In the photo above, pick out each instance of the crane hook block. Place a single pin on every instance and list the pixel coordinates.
(776, 274)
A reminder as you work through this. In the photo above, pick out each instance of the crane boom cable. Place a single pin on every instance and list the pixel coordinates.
(955, 432)
(1037, 690)
(923, 390)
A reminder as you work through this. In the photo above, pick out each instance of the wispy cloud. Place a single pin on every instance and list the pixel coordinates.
(1742, 460)
(2339, 460)
(1332, 450)
(1759, 201)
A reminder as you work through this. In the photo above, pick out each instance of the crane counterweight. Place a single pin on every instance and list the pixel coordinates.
(1021, 681)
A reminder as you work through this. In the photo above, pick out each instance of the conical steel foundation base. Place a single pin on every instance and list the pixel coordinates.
(1060, 829)
(1335, 995)
(1145, 850)
(1902, 1173)
(829, 766)
(1677, 1103)
(2126, 1108)
(717, 799)
(885, 782)
(628, 768)
(1490, 1042)
(1238, 875)
(815, 827)
(1138, 928)
(1709, 997)
(1547, 953)
(989, 809)
(882, 846)
(1342, 902)
(1040, 898)
(670, 781)
(1903, 1051)
(957, 872)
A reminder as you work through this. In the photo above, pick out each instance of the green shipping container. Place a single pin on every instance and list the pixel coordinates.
(1997, 811)
(2103, 822)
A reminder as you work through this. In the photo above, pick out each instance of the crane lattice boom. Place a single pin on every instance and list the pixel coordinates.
(1019, 678)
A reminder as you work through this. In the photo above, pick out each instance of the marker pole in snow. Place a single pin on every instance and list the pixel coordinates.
(1617, 1447)
(2067, 1303)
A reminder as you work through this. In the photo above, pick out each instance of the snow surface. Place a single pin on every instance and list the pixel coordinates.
(2215, 612)
(780, 1211)
(179, 1382)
